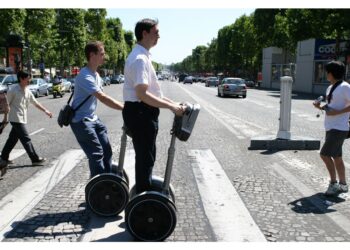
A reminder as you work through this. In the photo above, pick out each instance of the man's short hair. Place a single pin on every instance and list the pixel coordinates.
(22, 75)
(144, 25)
(336, 68)
(92, 47)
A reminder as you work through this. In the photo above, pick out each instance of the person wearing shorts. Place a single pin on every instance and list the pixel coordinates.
(337, 127)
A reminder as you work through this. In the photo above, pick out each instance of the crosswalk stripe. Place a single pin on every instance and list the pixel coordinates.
(15, 153)
(227, 214)
(15, 205)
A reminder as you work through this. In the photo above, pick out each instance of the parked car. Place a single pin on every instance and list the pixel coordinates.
(212, 81)
(38, 87)
(6, 80)
(72, 81)
(106, 81)
(182, 77)
(188, 79)
(67, 85)
(49, 87)
(233, 87)
(116, 79)
(249, 83)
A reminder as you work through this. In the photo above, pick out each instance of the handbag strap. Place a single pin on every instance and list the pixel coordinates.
(81, 104)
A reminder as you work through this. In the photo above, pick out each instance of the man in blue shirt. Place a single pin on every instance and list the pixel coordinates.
(89, 130)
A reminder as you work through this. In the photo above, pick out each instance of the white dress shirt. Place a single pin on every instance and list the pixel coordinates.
(139, 70)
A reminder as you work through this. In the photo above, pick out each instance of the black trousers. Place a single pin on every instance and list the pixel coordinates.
(142, 121)
(19, 131)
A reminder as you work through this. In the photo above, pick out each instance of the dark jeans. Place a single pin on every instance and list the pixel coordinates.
(19, 131)
(142, 121)
(93, 139)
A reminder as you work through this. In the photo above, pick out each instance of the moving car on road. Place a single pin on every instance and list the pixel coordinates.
(212, 81)
(188, 79)
(233, 87)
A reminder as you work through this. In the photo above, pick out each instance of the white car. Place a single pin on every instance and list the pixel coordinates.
(67, 85)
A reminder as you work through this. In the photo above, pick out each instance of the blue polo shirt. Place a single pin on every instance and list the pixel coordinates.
(86, 83)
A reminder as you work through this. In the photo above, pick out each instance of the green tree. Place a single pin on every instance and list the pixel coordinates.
(40, 33)
(71, 41)
(95, 21)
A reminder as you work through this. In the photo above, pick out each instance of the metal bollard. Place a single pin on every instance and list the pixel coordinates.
(285, 108)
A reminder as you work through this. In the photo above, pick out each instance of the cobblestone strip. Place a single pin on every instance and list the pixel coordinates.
(60, 215)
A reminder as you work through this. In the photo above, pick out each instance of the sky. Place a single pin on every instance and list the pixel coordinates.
(181, 30)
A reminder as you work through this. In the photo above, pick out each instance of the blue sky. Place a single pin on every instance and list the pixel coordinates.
(181, 30)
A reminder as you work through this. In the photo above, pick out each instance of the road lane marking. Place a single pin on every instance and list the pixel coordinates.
(220, 116)
(16, 205)
(339, 219)
(35, 132)
(112, 229)
(227, 214)
(15, 153)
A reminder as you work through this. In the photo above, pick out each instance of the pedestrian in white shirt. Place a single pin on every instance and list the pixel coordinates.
(19, 97)
(336, 125)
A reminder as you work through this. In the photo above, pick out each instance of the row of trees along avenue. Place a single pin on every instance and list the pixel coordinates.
(58, 36)
(237, 49)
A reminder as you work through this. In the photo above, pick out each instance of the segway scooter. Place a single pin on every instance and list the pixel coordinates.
(151, 215)
(107, 194)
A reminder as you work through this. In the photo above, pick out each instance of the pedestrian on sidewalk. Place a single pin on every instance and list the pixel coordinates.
(336, 124)
(19, 97)
(87, 127)
(143, 98)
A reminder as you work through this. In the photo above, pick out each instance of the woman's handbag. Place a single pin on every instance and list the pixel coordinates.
(67, 112)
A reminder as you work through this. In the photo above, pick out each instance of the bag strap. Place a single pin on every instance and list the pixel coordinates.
(81, 104)
(329, 97)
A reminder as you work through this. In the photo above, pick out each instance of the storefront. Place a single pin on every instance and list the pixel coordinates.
(307, 68)
(312, 56)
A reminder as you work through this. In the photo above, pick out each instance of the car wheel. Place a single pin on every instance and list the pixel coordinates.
(46, 93)
(37, 94)
(244, 96)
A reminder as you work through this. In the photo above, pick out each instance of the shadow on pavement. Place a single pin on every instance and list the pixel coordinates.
(316, 204)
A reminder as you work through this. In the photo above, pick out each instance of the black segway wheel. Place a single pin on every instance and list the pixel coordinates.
(107, 194)
(150, 216)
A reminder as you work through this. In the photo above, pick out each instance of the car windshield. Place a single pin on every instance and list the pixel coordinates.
(33, 82)
(233, 81)
(212, 78)
(1, 78)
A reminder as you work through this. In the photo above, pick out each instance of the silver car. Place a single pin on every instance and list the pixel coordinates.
(212, 81)
(38, 87)
(233, 87)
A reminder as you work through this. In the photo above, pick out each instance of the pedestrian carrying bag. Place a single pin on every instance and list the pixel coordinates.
(67, 112)
(329, 98)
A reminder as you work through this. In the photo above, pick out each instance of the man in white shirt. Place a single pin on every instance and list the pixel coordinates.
(19, 97)
(336, 125)
(143, 98)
